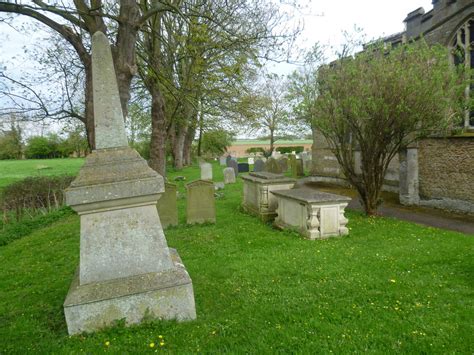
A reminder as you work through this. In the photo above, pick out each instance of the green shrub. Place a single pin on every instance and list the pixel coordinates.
(255, 150)
(33, 195)
(285, 150)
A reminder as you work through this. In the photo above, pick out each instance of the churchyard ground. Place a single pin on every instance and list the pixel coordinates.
(390, 286)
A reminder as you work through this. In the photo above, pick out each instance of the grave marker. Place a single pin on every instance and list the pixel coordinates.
(201, 205)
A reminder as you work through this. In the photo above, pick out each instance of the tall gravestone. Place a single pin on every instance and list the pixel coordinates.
(201, 204)
(293, 166)
(272, 166)
(206, 171)
(299, 167)
(126, 270)
(228, 160)
(167, 206)
(283, 162)
(234, 165)
(258, 166)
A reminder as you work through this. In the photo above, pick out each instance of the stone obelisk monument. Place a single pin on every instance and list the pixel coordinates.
(126, 270)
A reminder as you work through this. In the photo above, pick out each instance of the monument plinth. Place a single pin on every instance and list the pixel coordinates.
(126, 270)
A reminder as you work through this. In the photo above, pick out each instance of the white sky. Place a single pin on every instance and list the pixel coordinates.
(324, 21)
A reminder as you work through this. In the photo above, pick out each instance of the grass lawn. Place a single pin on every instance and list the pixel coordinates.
(388, 287)
(14, 170)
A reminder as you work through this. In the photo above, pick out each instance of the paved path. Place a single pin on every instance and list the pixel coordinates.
(425, 216)
(421, 215)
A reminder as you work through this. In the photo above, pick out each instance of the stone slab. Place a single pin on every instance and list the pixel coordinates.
(311, 195)
(163, 295)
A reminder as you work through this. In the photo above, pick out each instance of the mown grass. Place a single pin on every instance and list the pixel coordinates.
(14, 170)
(388, 287)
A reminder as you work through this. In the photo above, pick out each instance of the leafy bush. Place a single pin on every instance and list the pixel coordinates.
(255, 150)
(33, 195)
(285, 150)
(215, 142)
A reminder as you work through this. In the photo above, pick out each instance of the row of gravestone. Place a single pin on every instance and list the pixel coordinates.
(206, 169)
(281, 165)
(200, 203)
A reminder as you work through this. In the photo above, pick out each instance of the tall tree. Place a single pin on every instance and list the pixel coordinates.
(76, 23)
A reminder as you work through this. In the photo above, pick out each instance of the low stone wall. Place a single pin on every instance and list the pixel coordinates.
(326, 168)
(446, 173)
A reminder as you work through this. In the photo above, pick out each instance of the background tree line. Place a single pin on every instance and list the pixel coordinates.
(182, 66)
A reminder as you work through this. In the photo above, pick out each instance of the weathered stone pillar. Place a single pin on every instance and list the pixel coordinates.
(408, 189)
(126, 270)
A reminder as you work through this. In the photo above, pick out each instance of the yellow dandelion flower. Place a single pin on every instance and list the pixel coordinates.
(393, 281)
(160, 336)
(152, 345)
(107, 343)
(162, 343)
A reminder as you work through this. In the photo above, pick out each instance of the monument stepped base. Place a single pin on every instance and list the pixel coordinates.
(163, 295)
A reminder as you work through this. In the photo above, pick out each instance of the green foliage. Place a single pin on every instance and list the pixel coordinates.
(10, 144)
(143, 148)
(388, 287)
(286, 150)
(255, 150)
(215, 142)
(39, 147)
(34, 194)
(381, 100)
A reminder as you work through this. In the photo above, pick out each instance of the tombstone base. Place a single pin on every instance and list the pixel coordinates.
(163, 295)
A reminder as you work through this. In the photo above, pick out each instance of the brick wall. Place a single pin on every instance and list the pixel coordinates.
(446, 169)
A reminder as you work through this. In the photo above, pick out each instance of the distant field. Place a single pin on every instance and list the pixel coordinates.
(14, 170)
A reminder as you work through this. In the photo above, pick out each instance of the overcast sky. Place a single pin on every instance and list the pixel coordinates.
(324, 21)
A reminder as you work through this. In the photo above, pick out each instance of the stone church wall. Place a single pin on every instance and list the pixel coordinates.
(446, 173)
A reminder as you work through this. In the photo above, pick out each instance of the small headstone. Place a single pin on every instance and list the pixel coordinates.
(206, 171)
(259, 165)
(272, 166)
(251, 161)
(219, 185)
(299, 167)
(227, 160)
(229, 176)
(276, 154)
(243, 167)
(233, 164)
(167, 206)
(283, 162)
(201, 204)
(222, 161)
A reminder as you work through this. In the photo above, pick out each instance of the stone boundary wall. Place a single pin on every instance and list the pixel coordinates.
(446, 173)
(326, 168)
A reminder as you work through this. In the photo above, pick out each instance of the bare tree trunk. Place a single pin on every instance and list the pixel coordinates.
(89, 109)
(188, 142)
(158, 132)
(178, 147)
(272, 140)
